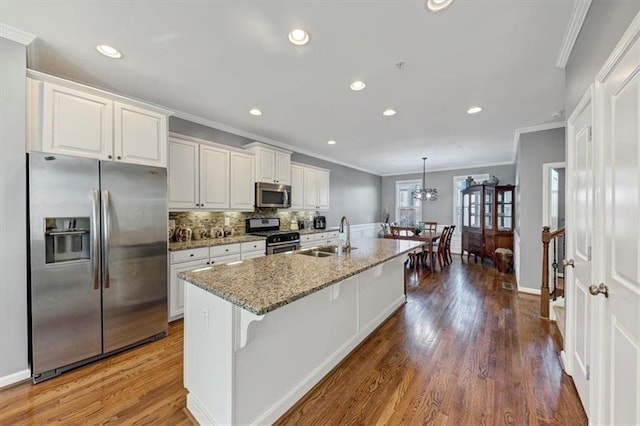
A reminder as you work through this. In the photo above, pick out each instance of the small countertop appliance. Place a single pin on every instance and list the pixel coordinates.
(319, 222)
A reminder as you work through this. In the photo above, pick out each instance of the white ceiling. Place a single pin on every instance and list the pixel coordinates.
(217, 59)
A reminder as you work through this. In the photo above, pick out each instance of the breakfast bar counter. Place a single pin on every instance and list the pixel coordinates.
(260, 333)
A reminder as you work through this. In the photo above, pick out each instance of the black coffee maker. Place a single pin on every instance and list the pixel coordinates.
(319, 222)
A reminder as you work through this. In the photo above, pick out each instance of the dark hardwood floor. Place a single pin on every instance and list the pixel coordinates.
(463, 350)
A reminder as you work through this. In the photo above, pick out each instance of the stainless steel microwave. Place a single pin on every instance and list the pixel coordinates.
(273, 195)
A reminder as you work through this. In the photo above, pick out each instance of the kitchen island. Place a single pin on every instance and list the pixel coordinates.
(261, 333)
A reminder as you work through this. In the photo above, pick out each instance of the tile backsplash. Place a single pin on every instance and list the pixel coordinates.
(237, 219)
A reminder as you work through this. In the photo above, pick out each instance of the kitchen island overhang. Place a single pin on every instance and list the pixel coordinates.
(261, 333)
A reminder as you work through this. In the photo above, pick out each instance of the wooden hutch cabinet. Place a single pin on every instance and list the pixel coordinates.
(488, 213)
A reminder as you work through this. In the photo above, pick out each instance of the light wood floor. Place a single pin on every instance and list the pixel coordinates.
(463, 350)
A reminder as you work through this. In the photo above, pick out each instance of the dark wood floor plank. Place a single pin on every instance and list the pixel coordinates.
(462, 350)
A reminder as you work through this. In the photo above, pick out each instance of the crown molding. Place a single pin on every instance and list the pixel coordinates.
(578, 15)
(538, 128)
(16, 35)
(268, 141)
(448, 169)
(631, 33)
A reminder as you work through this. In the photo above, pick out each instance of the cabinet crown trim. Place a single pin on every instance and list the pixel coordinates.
(265, 146)
(47, 78)
(178, 137)
(308, 166)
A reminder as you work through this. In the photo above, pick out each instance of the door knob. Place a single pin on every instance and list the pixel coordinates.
(597, 289)
(568, 262)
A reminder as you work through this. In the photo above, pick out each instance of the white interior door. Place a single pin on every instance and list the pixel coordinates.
(620, 253)
(580, 180)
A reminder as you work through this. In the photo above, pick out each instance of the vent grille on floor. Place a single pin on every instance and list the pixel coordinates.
(507, 286)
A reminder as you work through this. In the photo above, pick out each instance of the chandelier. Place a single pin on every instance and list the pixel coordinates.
(425, 194)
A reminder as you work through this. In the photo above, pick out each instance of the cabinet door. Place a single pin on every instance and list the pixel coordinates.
(283, 168)
(265, 161)
(297, 187)
(310, 189)
(140, 136)
(214, 177)
(76, 123)
(183, 174)
(176, 286)
(242, 181)
(323, 190)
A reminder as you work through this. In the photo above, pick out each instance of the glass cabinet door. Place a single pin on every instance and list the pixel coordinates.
(488, 208)
(465, 210)
(474, 209)
(505, 209)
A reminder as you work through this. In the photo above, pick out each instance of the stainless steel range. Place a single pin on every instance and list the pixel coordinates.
(277, 241)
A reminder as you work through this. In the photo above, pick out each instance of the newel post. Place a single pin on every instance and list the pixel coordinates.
(544, 291)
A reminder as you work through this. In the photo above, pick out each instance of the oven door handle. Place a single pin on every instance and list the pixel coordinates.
(284, 243)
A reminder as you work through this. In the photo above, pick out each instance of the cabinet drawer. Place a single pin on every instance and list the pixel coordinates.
(253, 246)
(321, 237)
(189, 255)
(306, 238)
(221, 260)
(332, 235)
(224, 250)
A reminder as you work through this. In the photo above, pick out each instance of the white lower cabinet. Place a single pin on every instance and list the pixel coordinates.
(188, 260)
(318, 239)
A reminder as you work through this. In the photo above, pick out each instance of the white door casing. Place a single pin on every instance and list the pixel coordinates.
(580, 182)
(618, 251)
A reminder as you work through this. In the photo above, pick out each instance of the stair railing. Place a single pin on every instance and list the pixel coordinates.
(556, 239)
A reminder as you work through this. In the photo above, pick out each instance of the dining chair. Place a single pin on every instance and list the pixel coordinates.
(452, 229)
(430, 226)
(438, 249)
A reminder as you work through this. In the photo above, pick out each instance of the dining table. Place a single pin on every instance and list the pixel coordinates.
(428, 237)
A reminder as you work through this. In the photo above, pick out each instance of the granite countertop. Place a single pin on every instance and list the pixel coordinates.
(317, 231)
(264, 284)
(208, 242)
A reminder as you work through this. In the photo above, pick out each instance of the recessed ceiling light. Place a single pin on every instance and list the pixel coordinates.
(474, 110)
(255, 111)
(299, 37)
(389, 112)
(109, 51)
(357, 85)
(331, 142)
(438, 5)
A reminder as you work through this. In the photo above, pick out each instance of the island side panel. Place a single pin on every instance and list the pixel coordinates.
(380, 291)
(291, 349)
(294, 347)
(208, 356)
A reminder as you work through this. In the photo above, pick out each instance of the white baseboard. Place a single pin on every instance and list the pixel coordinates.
(198, 412)
(14, 378)
(528, 290)
(563, 361)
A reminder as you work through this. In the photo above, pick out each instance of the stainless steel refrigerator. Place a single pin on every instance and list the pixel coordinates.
(98, 259)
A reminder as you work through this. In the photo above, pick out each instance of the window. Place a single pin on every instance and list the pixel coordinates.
(459, 183)
(408, 209)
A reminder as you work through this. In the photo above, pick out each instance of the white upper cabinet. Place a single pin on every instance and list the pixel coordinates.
(273, 165)
(184, 172)
(72, 119)
(76, 123)
(297, 187)
(214, 178)
(242, 181)
(209, 176)
(140, 136)
(316, 183)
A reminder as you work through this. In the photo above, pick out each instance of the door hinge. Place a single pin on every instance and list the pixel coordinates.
(588, 372)
(590, 133)
(589, 253)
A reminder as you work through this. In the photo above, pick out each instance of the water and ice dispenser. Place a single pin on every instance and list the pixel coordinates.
(67, 239)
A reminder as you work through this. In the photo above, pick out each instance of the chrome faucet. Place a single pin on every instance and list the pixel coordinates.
(347, 246)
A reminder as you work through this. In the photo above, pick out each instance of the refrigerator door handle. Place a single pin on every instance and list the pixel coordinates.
(95, 240)
(106, 229)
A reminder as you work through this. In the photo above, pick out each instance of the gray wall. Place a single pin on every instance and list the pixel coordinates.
(353, 193)
(534, 150)
(441, 210)
(13, 223)
(602, 29)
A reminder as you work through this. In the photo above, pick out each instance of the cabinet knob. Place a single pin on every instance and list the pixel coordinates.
(109, 157)
(119, 158)
(191, 255)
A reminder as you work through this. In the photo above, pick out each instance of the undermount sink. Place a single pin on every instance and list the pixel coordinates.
(324, 251)
(315, 253)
